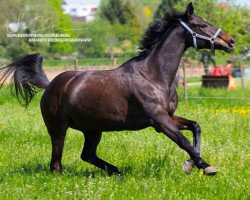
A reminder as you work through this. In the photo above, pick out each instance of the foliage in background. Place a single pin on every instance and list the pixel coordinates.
(165, 6)
(45, 14)
(144, 10)
(125, 31)
(118, 27)
(99, 32)
(64, 24)
(232, 19)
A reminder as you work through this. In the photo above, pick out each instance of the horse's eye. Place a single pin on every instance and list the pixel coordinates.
(203, 25)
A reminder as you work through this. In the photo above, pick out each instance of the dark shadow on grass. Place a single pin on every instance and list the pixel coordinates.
(71, 171)
(152, 168)
(41, 168)
(30, 169)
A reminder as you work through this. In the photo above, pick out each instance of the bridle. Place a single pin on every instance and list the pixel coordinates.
(196, 35)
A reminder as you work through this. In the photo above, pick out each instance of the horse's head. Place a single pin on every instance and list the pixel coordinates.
(202, 34)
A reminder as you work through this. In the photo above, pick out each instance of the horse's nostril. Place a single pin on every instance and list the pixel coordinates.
(231, 41)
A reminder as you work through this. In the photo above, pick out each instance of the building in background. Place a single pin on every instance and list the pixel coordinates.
(81, 11)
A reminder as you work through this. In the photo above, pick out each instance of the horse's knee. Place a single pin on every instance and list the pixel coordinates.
(196, 128)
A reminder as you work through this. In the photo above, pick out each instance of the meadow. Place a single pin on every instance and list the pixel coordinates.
(150, 162)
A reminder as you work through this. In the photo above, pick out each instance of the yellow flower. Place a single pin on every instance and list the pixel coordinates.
(239, 111)
(147, 11)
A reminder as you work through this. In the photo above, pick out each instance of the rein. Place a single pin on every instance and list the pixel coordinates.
(196, 35)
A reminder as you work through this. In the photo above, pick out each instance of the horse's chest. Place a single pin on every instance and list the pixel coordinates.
(159, 98)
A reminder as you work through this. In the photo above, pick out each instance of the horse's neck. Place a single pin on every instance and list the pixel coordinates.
(165, 58)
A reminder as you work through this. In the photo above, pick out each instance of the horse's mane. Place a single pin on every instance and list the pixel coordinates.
(155, 31)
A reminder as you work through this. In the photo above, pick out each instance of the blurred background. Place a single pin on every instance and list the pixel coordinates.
(115, 28)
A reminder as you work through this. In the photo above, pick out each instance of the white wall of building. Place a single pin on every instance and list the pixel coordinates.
(81, 10)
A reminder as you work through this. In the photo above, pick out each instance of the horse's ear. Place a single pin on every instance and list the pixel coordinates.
(190, 10)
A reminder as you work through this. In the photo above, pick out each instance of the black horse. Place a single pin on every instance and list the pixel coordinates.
(138, 94)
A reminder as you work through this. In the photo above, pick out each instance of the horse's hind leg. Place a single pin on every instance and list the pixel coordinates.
(92, 139)
(57, 130)
(57, 141)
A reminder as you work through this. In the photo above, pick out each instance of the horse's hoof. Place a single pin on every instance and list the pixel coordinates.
(119, 177)
(56, 171)
(55, 167)
(188, 166)
(209, 171)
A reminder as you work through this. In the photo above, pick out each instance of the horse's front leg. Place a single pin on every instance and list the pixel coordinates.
(185, 124)
(164, 123)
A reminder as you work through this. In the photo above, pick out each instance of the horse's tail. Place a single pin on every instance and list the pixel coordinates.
(27, 76)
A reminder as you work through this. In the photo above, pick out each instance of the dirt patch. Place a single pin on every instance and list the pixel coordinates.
(53, 72)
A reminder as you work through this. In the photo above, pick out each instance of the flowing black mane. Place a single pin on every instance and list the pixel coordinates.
(155, 31)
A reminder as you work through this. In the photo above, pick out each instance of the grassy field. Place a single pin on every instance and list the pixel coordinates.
(150, 162)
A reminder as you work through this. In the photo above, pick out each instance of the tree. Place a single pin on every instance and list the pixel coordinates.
(126, 26)
(43, 13)
(117, 11)
(113, 12)
(164, 7)
(64, 25)
(98, 31)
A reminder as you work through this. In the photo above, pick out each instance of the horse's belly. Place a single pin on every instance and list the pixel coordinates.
(112, 115)
(109, 121)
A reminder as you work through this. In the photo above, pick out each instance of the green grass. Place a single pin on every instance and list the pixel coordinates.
(150, 162)
(193, 79)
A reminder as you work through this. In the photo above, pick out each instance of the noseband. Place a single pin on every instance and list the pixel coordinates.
(196, 35)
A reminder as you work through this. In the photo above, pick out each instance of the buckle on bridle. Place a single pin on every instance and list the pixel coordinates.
(212, 40)
(195, 35)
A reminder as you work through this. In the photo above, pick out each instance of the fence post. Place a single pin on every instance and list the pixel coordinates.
(76, 64)
(185, 81)
(114, 62)
(241, 75)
